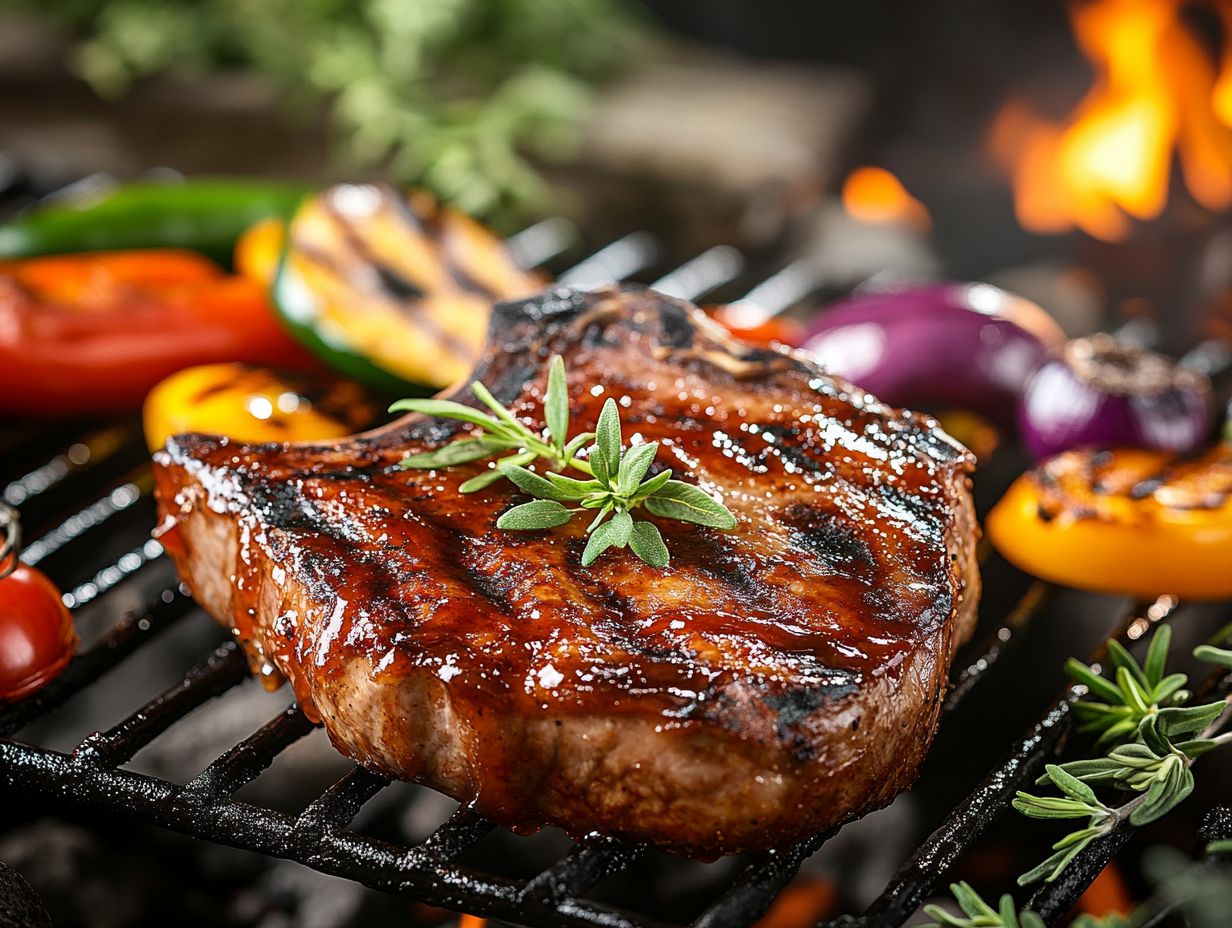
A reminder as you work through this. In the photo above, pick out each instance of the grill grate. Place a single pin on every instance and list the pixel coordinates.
(320, 836)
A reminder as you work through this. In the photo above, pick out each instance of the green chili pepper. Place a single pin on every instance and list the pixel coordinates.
(205, 215)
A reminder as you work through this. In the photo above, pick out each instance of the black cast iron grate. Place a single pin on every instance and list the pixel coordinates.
(95, 773)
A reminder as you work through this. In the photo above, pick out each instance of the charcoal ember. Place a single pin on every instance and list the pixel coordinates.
(20, 906)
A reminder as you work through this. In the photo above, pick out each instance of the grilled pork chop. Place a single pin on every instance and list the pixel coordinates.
(770, 682)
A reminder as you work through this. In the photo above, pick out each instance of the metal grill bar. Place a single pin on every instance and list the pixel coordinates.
(129, 634)
(997, 645)
(246, 761)
(366, 860)
(465, 828)
(582, 867)
(138, 485)
(759, 884)
(337, 806)
(94, 448)
(219, 672)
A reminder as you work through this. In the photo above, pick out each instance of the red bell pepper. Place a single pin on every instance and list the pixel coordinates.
(94, 332)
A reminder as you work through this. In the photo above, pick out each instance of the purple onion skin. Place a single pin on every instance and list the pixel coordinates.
(1062, 410)
(968, 346)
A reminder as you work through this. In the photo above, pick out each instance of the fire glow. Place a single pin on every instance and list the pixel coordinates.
(874, 195)
(1158, 92)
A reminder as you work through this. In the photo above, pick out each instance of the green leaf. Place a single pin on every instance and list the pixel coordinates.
(1189, 719)
(1099, 768)
(943, 918)
(687, 503)
(606, 508)
(1152, 737)
(573, 489)
(1212, 655)
(1081, 673)
(1135, 697)
(1121, 658)
(969, 900)
(529, 482)
(605, 459)
(537, 514)
(1049, 807)
(613, 534)
(489, 477)
(504, 415)
(1118, 732)
(1170, 686)
(647, 543)
(1031, 920)
(1071, 786)
(1164, 794)
(1196, 748)
(456, 452)
(576, 444)
(1157, 656)
(633, 467)
(1134, 755)
(556, 403)
(651, 486)
(1051, 868)
(1008, 912)
(1223, 846)
(622, 529)
(447, 409)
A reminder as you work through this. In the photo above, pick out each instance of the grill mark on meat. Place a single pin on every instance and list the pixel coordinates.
(828, 536)
(282, 505)
(678, 328)
(793, 708)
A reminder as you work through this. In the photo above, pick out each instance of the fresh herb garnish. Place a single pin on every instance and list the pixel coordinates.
(1155, 738)
(979, 914)
(1202, 894)
(617, 481)
(1152, 737)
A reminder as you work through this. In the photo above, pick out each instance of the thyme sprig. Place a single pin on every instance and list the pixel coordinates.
(1167, 737)
(617, 481)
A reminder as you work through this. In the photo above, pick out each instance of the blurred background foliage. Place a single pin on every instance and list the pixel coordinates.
(458, 96)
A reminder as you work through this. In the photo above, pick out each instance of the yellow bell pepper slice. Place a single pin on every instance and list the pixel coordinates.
(254, 404)
(1138, 523)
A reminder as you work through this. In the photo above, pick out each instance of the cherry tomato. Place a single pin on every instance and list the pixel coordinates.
(37, 637)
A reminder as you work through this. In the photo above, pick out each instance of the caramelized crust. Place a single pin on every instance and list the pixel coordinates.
(771, 682)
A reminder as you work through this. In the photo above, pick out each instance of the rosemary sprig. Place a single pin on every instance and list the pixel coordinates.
(979, 914)
(617, 481)
(501, 431)
(1202, 894)
(1167, 739)
(1135, 692)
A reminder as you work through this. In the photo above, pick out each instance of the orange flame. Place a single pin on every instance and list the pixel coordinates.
(1157, 92)
(873, 194)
